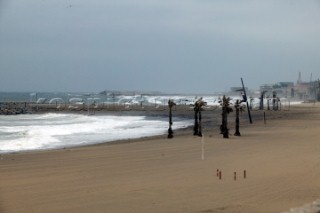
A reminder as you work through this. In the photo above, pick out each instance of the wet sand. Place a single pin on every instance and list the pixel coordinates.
(281, 159)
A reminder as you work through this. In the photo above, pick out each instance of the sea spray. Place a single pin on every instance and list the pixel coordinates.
(53, 130)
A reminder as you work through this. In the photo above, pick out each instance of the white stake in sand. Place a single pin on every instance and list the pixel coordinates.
(202, 143)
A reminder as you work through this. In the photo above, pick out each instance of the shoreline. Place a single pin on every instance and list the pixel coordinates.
(211, 123)
(168, 175)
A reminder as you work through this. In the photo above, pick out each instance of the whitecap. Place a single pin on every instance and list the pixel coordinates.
(52, 130)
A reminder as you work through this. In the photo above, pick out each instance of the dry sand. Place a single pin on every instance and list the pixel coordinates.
(281, 158)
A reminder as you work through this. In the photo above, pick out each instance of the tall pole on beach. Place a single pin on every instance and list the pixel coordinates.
(238, 108)
(245, 99)
(274, 100)
(170, 104)
(88, 106)
(318, 93)
(261, 100)
(196, 123)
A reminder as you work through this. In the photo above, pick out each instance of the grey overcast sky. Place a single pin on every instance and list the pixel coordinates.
(196, 46)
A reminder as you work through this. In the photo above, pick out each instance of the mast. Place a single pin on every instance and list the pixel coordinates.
(246, 100)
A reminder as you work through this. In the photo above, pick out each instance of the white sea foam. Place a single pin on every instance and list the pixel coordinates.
(48, 131)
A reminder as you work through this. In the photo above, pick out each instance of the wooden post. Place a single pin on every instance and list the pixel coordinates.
(171, 104)
(200, 124)
(196, 124)
(237, 106)
(245, 95)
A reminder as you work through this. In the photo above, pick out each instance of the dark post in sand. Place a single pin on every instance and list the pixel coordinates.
(226, 109)
(197, 130)
(275, 101)
(251, 103)
(261, 100)
(268, 103)
(170, 104)
(318, 91)
(239, 109)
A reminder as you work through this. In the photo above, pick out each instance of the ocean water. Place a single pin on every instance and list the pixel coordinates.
(52, 130)
(56, 130)
(49, 131)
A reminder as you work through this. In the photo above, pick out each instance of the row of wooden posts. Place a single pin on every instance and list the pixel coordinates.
(226, 109)
(219, 174)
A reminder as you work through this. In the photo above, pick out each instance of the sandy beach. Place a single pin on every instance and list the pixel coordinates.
(281, 159)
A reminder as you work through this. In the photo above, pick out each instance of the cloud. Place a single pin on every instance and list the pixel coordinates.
(259, 40)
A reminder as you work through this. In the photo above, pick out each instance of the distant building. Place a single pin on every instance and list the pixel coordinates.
(284, 89)
(306, 90)
(301, 90)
